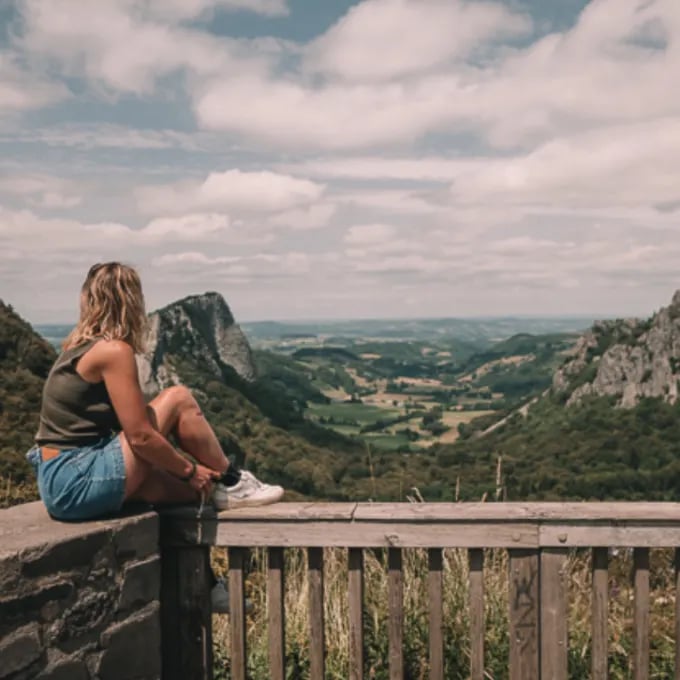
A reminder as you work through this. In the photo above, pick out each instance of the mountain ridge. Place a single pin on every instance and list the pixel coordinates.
(628, 359)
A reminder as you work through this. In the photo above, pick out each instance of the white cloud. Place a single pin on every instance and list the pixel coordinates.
(34, 233)
(112, 44)
(591, 75)
(193, 257)
(23, 90)
(401, 264)
(332, 117)
(186, 228)
(112, 136)
(631, 164)
(620, 165)
(231, 190)
(366, 234)
(430, 168)
(384, 39)
(311, 217)
(42, 190)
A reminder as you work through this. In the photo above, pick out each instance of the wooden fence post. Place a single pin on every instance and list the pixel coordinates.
(186, 582)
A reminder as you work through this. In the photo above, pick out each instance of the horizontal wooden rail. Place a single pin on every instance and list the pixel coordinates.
(428, 525)
(538, 537)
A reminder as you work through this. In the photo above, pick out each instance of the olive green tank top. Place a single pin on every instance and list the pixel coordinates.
(74, 412)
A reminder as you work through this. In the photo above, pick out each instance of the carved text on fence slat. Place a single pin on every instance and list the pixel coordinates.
(600, 607)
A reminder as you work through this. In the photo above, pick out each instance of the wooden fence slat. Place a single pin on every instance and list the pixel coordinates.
(237, 612)
(524, 615)
(275, 614)
(677, 614)
(476, 604)
(395, 581)
(317, 648)
(600, 613)
(356, 615)
(641, 614)
(554, 656)
(435, 597)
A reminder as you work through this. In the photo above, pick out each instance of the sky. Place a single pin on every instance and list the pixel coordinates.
(320, 159)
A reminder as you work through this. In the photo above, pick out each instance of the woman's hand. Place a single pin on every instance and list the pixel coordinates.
(203, 478)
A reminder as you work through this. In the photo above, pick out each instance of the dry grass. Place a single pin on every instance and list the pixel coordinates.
(13, 493)
(455, 615)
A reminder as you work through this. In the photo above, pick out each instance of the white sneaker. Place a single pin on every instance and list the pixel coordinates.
(249, 492)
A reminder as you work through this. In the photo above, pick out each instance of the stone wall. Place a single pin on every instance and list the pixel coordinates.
(79, 601)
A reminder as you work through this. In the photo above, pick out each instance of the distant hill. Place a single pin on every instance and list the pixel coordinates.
(471, 330)
(521, 365)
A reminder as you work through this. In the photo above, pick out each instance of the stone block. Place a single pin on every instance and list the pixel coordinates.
(66, 669)
(141, 583)
(10, 572)
(137, 538)
(23, 605)
(132, 648)
(91, 611)
(19, 649)
(63, 555)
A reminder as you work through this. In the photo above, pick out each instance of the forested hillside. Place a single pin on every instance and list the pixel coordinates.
(25, 360)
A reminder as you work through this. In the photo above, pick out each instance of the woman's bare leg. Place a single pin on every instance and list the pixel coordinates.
(173, 411)
(176, 411)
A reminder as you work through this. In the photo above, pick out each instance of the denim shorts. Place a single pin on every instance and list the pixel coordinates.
(84, 482)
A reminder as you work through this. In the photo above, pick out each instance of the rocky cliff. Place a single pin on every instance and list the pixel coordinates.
(199, 327)
(627, 359)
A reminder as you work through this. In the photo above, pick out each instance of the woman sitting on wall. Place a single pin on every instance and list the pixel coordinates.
(100, 445)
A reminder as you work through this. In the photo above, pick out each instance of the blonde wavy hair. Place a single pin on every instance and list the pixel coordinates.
(111, 307)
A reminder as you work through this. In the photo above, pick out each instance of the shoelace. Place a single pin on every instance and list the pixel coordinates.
(198, 517)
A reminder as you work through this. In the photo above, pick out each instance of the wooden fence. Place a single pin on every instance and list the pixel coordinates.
(537, 536)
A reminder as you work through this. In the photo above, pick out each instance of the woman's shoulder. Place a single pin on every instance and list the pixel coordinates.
(101, 352)
(114, 349)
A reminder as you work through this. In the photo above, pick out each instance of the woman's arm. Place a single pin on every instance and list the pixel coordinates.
(116, 363)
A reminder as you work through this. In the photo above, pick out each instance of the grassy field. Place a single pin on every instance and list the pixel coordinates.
(349, 418)
(348, 412)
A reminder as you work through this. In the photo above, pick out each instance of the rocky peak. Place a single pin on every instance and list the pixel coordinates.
(201, 328)
(675, 302)
(627, 358)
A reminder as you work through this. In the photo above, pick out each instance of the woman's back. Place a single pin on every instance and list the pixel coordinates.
(74, 412)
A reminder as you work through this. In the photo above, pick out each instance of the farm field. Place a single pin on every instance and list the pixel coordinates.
(408, 394)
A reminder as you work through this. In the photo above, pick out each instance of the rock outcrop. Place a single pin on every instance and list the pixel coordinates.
(200, 328)
(628, 359)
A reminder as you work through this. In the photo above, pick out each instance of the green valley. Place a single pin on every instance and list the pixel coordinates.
(384, 411)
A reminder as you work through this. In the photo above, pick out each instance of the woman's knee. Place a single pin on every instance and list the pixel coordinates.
(179, 397)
